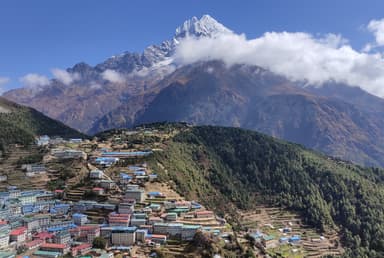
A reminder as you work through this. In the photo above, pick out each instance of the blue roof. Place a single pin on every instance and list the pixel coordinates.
(154, 193)
(295, 238)
(79, 215)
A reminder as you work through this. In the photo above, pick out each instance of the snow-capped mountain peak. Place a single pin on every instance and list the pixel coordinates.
(206, 26)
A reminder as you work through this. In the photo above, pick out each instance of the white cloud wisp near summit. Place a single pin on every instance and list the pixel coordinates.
(297, 56)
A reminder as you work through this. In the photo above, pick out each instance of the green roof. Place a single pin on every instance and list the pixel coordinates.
(191, 226)
(269, 237)
(47, 253)
(7, 254)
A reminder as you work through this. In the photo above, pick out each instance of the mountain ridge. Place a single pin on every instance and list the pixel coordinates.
(133, 88)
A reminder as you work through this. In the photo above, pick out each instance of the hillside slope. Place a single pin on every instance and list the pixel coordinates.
(21, 124)
(227, 167)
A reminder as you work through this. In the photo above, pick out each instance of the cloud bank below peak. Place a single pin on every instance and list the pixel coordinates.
(298, 56)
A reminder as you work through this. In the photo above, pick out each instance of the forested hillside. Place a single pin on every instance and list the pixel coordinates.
(228, 168)
(21, 124)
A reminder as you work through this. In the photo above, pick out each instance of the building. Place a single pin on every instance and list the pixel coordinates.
(189, 231)
(98, 190)
(138, 222)
(126, 208)
(85, 233)
(137, 194)
(4, 238)
(31, 224)
(18, 235)
(81, 249)
(153, 220)
(47, 254)
(59, 248)
(156, 238)
(62, 237)
(141, 234)
(68, 154)
(96, 174)
(44, 236)
(26, 198)
(4, 254)
(107, 184)
(204, 214)
(171, 216)
(116, 219)
(79, 219)
(34, 244)
(156, 195)
(123, 236)
(75, 140)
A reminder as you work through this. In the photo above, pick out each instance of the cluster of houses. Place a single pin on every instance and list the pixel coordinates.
(50, 227)
(267, 241)
(45, 140)
(45, 225)
(48, 224)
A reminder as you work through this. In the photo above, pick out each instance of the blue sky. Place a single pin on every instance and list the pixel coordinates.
(36, 36)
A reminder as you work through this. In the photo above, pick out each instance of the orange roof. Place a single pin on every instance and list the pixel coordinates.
(49, 245)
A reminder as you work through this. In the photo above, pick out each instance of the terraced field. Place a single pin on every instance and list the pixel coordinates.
(268, 220)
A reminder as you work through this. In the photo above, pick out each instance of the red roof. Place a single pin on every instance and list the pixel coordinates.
(18, 231)
(204, 212)
(33, 243)
(159, 236)
(43, 235)
(98, 189)
(59, 191)
(80, 247)
(49, 245)
(3, 222)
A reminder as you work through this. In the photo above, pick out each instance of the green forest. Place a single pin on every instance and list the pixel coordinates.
(229, 168)
(22, 124)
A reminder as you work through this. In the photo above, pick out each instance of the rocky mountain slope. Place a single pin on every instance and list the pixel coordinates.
(253, 98)
(133, 88)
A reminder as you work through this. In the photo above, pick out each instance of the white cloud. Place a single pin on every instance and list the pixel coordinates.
(33, 80)
(3, 82)
(113, 76)
(298, 56)
(64, 76)
(377, 28)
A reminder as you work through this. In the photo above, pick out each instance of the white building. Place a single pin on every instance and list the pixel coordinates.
(123, 236)
(96, 174)
(138, 195)
(4, 238)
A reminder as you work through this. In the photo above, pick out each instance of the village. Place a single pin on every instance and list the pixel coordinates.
(125, 208)
(114, 205)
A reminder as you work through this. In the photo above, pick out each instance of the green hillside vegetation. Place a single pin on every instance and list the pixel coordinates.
(21, 124)
(228, 168)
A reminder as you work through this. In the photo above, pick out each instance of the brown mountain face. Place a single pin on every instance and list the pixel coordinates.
(253, 98)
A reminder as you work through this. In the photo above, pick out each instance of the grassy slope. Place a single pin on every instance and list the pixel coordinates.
(227, 167)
